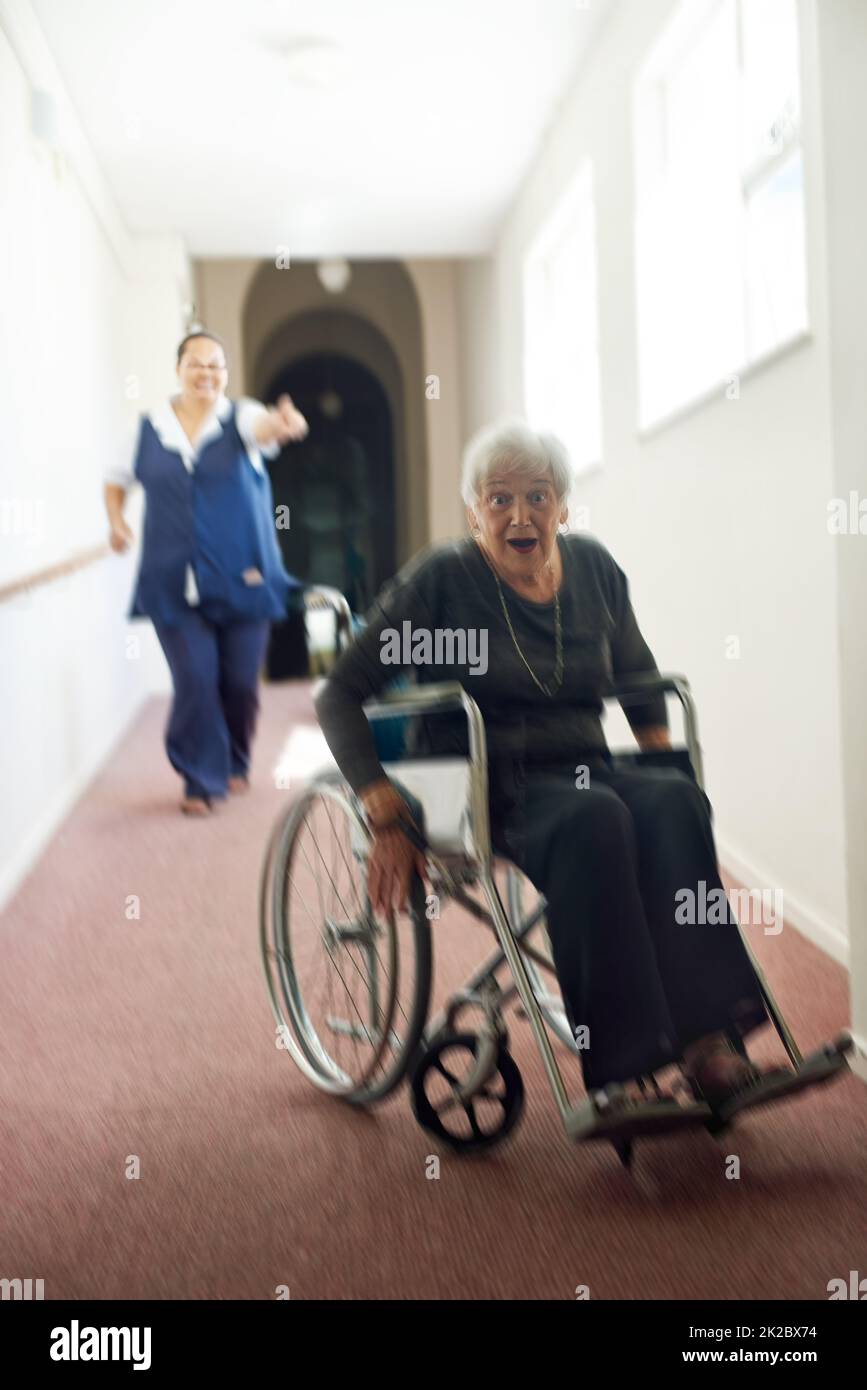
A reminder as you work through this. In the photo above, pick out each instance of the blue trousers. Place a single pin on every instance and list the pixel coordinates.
(215, 674)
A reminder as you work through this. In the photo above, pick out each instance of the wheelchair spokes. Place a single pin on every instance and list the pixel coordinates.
(353, 988)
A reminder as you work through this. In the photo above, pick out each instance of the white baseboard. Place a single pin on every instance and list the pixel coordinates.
(858, 1056)
(828, 938)
(26, 854)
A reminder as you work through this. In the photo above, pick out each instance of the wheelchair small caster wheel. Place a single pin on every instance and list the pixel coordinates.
(468, 1122)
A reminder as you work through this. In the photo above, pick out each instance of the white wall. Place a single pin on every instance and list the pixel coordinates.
(719, 518)
(90, 317)
(842, 47)
(436, 285)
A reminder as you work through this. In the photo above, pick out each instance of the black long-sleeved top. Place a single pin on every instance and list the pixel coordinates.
(451, 588)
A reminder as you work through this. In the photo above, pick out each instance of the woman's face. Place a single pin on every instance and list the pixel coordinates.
(517, 514)
(202, 370)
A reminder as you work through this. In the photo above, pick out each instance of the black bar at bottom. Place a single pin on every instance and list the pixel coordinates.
(165, 1339)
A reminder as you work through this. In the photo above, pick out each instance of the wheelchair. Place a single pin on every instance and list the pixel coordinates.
(350, 994)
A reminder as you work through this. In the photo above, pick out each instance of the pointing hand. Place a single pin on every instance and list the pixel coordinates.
(287, 422)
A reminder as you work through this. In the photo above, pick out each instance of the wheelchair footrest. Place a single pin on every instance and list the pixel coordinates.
(829, 1061)
(585, 1123)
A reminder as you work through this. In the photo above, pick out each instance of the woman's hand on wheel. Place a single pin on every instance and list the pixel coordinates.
(120, 537)
(393, 858)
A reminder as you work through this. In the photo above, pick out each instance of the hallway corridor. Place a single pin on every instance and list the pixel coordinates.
(511, 345)
(153, 1038)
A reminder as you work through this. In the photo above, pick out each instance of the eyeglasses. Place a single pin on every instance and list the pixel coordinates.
(194, 365)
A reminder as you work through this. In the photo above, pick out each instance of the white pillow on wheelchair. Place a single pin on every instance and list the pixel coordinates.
(442, 785)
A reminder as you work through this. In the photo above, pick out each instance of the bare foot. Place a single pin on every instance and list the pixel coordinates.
(195, 806)
(238, 785)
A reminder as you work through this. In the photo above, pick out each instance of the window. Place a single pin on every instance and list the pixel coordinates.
(561, 341)
(720, 245)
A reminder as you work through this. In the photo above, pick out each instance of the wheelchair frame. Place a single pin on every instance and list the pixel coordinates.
(440, 698)
(452, 873)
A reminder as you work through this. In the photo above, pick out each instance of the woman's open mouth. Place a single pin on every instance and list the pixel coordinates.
(523, 546)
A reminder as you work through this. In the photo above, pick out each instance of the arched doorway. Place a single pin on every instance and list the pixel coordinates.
(338, 485)
(335, 489)
(288, 316)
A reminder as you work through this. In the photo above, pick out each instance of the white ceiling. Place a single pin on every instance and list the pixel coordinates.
(415, 148)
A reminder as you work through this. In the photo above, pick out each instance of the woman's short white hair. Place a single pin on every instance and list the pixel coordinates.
(512, 445)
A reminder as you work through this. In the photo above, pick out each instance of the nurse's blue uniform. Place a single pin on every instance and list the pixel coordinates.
(211, 580)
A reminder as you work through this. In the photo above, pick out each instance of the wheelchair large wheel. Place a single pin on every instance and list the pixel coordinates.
(350, 992)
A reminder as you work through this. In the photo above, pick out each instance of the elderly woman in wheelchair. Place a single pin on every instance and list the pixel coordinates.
(514, 636)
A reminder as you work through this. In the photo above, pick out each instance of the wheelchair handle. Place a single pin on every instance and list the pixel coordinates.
(319, 596)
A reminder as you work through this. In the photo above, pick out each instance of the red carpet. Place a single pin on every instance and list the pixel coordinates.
(154, 1038)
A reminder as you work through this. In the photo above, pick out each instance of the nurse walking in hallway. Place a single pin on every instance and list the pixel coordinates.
(211, 578)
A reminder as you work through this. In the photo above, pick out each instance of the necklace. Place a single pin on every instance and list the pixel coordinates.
(557, 678)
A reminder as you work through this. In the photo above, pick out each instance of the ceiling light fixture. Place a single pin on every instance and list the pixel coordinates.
(330, 403)
(334, 274)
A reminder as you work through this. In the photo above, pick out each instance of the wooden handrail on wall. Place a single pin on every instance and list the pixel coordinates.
(63, 568)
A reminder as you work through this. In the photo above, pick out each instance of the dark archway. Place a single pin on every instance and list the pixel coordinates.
(287, 315)
(336, 489)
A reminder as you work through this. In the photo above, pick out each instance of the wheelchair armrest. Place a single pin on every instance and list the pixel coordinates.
(639, 686)
(643, 684)
(446, 695)
(434, 699)
(437, 699)
(419, 699)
